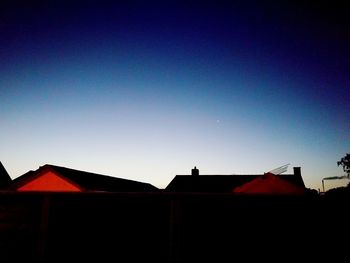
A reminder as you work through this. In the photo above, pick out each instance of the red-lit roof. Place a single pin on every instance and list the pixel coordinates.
(269, 184)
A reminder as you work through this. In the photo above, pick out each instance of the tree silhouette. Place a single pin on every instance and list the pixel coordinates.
(345, 163)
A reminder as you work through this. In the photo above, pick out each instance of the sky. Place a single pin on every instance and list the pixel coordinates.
(146, 90)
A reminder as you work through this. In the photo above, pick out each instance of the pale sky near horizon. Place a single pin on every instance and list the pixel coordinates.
(145, 90)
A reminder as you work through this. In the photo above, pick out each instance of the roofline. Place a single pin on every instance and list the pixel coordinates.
(109, 176)
(32, 175)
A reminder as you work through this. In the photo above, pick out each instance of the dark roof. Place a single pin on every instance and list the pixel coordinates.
(5, 179)
(219, 183)
(90, 181)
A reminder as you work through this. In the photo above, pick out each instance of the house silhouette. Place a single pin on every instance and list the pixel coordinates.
(56, 178)
(225, 183)
(61, 179)
(186, 223)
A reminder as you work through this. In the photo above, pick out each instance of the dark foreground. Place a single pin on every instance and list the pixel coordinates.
(170, 227)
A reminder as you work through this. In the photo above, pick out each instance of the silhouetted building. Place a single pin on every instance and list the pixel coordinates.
(227, 183)
(56, 178)
(5, 179)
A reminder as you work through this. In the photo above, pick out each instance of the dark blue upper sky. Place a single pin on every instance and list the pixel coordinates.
(148, 89)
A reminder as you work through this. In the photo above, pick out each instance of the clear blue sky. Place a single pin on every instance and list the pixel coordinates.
(146, 90)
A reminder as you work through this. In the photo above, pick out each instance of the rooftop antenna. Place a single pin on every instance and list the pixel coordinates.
(280, 170)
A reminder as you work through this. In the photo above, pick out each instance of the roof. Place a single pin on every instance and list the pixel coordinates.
(220, 183)
(87, 181)
(5, 179)
(269, 183)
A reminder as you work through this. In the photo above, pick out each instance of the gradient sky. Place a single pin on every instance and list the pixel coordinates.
(145, 90)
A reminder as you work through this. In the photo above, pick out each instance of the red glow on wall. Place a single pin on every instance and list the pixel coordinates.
(49, 181)
(269, 184)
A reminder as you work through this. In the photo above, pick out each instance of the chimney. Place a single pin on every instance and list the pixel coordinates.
(297, 171)
(195, 171)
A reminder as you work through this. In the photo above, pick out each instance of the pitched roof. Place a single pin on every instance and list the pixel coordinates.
(269, 183)
(88, 181)
(5, 178)
(219, 183)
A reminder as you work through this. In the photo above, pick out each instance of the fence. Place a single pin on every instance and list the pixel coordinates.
(164, 227)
